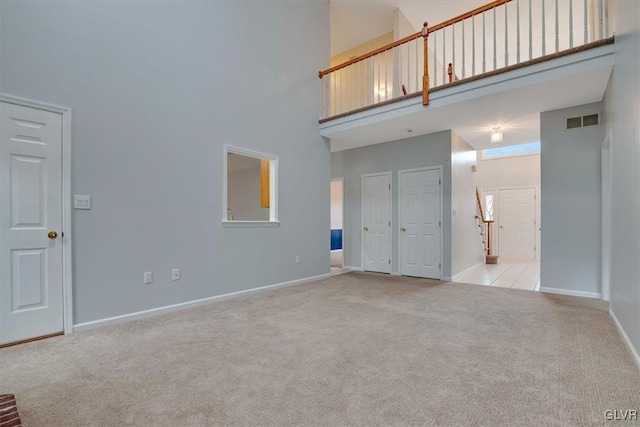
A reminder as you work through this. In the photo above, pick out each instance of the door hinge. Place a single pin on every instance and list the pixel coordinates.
(439, 223)
(389, 261)
(389, 223)
(62, 234)
(439, 266)
(389, 186)
(439, 182)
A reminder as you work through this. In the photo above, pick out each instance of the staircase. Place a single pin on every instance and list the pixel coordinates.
(485, 225)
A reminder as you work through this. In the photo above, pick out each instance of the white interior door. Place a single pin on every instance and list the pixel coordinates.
(517, 223)
(376, 222)
(31, 293)
(420, 224)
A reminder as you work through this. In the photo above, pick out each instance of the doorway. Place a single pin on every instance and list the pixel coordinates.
(337, 224)
(420, 213)
(376, 222)
(35, 262)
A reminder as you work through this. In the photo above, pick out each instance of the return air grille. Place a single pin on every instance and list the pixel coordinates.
(583, 121)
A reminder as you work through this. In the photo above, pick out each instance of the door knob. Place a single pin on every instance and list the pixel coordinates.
(403, 229)
(501, 227)
(365, 228)
(52, 235)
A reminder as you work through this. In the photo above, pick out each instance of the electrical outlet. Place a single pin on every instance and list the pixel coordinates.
(297, 259)
(148, 277)
(81, 202)
(175, 274)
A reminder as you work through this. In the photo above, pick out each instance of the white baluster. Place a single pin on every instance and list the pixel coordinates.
(495, 41)
(416, 44)
(601, 19)
(400, 68)
(435, 62)
(378, 86)
(463, 50)
(444, 55)
(517, 31)
(453, 52)
(506, 35)
(484, 44)
(530, 31)
(586, 22)
(473, 46)
(386, 75)
(544, 30)
(557, 27)
(570, 23)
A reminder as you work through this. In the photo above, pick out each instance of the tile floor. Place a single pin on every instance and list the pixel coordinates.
(508, 273)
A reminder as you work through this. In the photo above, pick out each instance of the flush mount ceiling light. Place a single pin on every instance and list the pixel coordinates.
(496, 134)
(382, 91)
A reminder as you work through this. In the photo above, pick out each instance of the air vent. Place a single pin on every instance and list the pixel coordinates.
(584, 121)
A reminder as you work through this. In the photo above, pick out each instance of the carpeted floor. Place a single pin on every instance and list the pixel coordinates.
(355, 349)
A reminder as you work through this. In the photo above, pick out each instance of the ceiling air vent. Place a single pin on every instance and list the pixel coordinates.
(584, 121)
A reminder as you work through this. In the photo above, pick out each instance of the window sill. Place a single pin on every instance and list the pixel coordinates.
(247, 224)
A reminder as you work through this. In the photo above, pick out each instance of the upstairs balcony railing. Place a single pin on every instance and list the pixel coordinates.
(493, 37)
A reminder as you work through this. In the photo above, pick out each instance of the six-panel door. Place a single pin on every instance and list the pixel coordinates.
(31, 293)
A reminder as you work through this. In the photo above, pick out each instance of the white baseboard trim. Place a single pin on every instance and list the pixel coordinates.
(625, 338)
(396, 273)
(189, 304)
(447, 279)
(583, 294)
(455, 276)
(349, 268)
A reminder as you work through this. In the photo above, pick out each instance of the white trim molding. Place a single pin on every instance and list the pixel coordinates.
(351, 268)
(67, 228)
(456, 276)
(583, 294)
(625, 338)
(190, 304)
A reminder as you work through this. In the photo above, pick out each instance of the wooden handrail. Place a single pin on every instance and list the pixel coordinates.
(469, 14)
(415, 36)
(482, 218)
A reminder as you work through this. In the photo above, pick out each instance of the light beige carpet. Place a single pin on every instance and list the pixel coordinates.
(355, 349)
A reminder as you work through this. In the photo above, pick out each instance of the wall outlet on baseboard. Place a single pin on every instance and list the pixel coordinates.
(148, 277)
(297, 259)
(175, 274)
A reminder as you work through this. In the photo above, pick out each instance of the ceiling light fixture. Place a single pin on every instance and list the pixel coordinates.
(496, 134)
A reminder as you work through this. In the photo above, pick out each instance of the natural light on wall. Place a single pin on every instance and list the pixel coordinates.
(512, 150)
(250, 188)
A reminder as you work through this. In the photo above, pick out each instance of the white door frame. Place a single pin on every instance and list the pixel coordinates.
(341, 180)
(607, 193)
(67, 252)
(399, 238)
(362, 177)
(495, 248)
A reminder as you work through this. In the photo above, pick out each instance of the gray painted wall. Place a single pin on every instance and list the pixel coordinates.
(571, 201)
(466, 244)
(157, 89)
(623, 118)
(421, 151)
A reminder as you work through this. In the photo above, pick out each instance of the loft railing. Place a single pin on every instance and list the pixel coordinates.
(492, 37)
(485, 224)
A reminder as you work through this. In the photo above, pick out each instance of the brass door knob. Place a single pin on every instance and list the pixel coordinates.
(403, 229)
(365, 228)
(52, 235)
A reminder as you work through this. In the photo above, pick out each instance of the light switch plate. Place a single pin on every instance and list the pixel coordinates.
(81, 202)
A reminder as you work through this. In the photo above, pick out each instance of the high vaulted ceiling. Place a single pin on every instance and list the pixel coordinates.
(354, 22)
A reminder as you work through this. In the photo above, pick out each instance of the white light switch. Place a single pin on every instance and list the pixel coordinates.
(81, 202)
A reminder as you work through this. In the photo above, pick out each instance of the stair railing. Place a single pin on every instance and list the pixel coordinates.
(485, 226)
(492, 37)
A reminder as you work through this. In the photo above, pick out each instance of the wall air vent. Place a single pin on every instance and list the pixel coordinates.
(584, 121)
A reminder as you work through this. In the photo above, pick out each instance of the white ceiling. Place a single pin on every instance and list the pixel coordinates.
(354, 22)
(517, 111)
